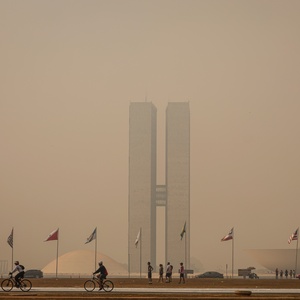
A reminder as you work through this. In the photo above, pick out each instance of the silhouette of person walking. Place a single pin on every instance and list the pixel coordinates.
(161, 273)
(150, 269)
(181, 273)
(168, 272)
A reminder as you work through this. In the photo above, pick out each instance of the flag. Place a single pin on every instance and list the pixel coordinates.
(294, 236)
(137, 240)
(229, 236)
(183, 231)
(53, 236)
(10, 239)
(92, 236)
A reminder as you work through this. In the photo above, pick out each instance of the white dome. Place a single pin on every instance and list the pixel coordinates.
(83, 262)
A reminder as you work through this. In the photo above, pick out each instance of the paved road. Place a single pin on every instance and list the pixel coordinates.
(170, 290)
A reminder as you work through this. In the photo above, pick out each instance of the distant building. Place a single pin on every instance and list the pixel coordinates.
(142, 183)
(144, 193)
(178, 182)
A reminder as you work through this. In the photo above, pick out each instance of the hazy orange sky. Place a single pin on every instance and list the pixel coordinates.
(68, 72)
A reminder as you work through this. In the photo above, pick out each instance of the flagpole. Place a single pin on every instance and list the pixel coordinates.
(10, 241)
(96, 242)
(128, 264)
(296, 252)
(183, 232)
(141, 252)
(12, 250)
(232, 259)
(185, 261)
(57, 256)
(230, 236)
(12, 257)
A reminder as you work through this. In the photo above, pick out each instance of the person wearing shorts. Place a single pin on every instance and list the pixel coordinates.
(181, 273)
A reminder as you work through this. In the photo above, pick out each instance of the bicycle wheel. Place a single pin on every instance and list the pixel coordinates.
(108, 286)
(89, 285)
(25, 285)
(7, 285)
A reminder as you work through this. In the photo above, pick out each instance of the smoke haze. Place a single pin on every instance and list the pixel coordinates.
(69, 70)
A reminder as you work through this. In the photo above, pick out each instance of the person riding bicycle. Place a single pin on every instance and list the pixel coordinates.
(20, 269)
(102, 272)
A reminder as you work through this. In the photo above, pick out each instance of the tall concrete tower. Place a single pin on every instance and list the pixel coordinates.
(142, 185)
(144, 193)
(178, 182)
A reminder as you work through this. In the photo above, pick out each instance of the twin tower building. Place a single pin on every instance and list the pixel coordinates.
(145, 194)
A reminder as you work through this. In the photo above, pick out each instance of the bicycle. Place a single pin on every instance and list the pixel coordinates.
(8, 284)
(91, 284)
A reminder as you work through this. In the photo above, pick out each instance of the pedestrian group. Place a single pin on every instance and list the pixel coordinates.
(286, 273)
(169, 272)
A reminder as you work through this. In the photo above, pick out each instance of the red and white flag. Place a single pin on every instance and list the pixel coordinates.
(294, 236)
(53, 236)
(229, 236)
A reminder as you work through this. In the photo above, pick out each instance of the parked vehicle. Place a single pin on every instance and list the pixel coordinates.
(253, 276)
(210, 274)
(248, 273)
(33, 274)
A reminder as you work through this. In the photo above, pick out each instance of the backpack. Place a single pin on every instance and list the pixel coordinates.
(22, 267)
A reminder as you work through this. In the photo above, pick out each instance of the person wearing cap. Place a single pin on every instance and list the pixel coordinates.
(20, 269)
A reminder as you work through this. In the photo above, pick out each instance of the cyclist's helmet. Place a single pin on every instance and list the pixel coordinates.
(100, 263)
(16, 262)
